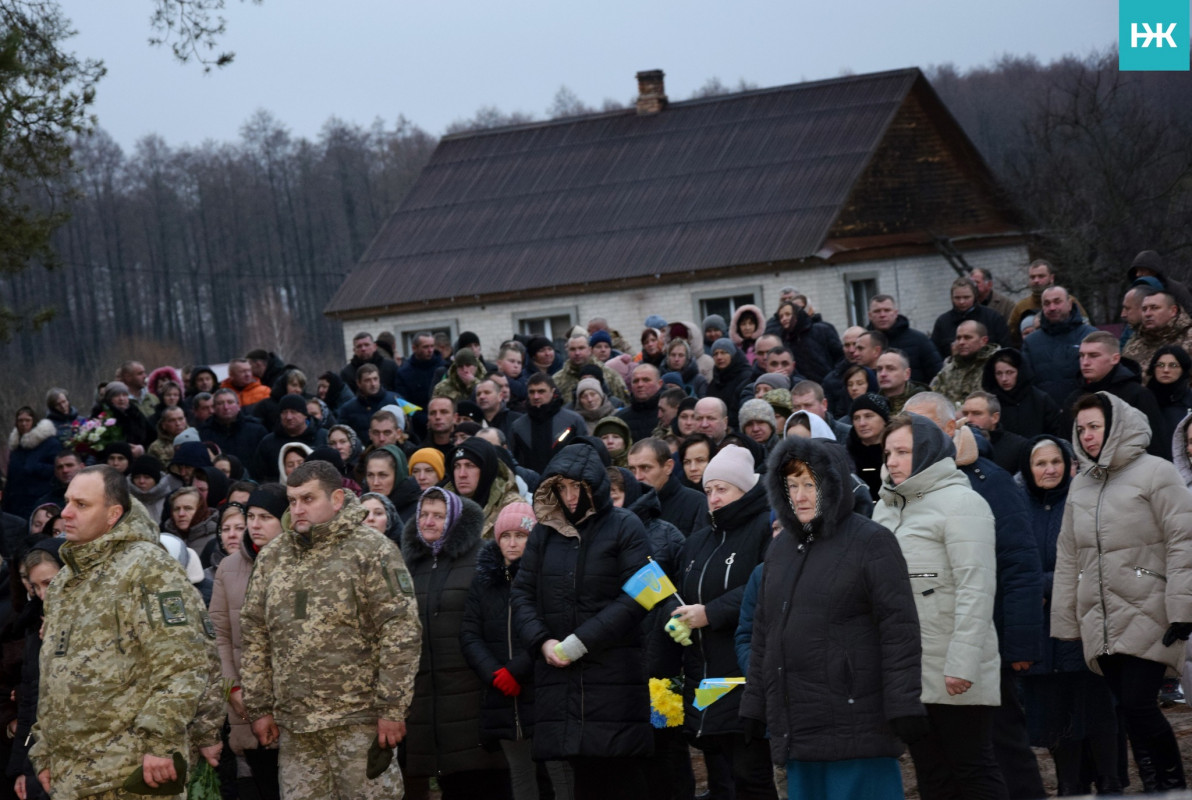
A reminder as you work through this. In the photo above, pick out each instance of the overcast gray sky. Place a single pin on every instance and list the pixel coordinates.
(435, 62)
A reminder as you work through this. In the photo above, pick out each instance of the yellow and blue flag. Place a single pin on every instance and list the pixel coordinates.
(712, 689)
(649, 585)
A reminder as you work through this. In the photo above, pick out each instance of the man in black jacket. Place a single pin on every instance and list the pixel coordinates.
(641, 415)
(231, 429)
(547, 426)
(1103, 371)
(364, 351)
(651, 463)
(924, 360)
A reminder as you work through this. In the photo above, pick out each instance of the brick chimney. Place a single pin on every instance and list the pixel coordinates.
(651, 94)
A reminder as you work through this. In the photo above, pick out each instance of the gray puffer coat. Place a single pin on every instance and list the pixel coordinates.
(1123, 570)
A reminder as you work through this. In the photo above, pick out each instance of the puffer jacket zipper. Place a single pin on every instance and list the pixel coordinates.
(1101, 569)
(700, 598)
(509, 654)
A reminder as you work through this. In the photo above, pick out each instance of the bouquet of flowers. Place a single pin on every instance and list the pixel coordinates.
(666, 702)
(90, 437)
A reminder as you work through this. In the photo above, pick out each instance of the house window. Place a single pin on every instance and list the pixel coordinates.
(708, 303)
(861, 289)
(406, 335)
(553, 323)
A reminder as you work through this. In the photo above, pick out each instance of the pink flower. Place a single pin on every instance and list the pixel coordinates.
(109, 423)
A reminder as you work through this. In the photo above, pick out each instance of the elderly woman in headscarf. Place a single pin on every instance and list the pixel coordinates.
(440, 545)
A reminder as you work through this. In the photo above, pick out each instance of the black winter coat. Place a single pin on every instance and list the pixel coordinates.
(1175, 403)
(717, 561)
(443, 724)
(1124, 382)
(682, 506)
(727, 384)
(357, 412)
(1017, 613)
(836, 650)
(570, 583)
(239, 439)
(943, 333)
(641, 417)
(415, 378)
(1046, 509)
(386, 366)
(265, 466)
(925, 359)
(1026, 410)
(664, 657)
(490, 642)
(815, 345)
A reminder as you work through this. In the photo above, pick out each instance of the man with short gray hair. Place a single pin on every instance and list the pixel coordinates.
(988, 296)
(1053, 351)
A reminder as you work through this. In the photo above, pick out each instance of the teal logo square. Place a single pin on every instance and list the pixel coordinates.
(1153, 35)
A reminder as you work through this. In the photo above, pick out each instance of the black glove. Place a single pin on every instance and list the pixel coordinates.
(911, 729)
(755, 729)
(1177, 630)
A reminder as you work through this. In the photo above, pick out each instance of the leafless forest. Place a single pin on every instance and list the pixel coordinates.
(193, 254)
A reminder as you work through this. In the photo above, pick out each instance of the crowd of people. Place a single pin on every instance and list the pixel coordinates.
(411, 573)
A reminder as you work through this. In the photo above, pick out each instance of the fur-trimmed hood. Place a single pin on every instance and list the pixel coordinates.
(829, 462)
(38, 435)
(733, 327)
(490, 566)
(460, 540)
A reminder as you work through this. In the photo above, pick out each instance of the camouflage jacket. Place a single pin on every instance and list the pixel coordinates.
(568, 377)
(960, 376)
(502, 493)
(127, 658)
(1144, 343)
(330, 627)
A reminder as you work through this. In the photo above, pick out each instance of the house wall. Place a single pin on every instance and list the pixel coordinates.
(920, 284)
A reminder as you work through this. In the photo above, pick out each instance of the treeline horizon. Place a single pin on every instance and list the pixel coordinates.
(197, 253)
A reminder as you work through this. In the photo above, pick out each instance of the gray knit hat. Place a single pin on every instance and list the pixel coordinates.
(757, 409)
(726, 345)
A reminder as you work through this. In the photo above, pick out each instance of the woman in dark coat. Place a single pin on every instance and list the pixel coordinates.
(118, 405)
(592, 702)
(1069, 709)
(439, 546)
(1026, 410)
(835, 652)
(33, 445)
(504, 665)
(716, 564)
(1171, 367)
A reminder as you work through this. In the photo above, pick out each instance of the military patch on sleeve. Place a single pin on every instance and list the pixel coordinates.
(61, 642)
(404, 581)
(173, 608)
(208, 625)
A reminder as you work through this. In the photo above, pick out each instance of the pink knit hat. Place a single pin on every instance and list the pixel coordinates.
(515, 516)
(733, 465)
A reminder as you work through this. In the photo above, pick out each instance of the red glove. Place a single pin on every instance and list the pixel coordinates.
(506, 684)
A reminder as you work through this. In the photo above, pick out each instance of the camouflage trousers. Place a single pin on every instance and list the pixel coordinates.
(330, 765)
(120, 794)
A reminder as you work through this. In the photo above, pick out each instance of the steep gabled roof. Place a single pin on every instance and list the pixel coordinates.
(751, 178)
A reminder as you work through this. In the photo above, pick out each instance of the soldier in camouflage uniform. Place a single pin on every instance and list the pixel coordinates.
(961, 375)
(331, 643)
(128, 655)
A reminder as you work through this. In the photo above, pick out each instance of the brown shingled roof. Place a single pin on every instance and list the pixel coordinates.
(744, 179)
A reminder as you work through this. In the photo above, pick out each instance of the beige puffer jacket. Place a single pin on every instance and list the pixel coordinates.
(946, 532)
(1123, 567)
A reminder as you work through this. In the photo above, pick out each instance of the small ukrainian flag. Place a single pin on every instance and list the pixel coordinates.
(649, 585)
(712, 689)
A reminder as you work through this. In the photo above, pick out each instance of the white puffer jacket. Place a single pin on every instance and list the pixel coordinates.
(946, 531)
(1123, 568)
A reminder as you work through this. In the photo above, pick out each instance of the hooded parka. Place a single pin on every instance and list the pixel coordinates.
(835, 650)
(570, 583)
(490, 642)
(1123, 569)
(946, 532)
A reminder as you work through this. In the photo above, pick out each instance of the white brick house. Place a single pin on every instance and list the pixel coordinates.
(844, 189)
